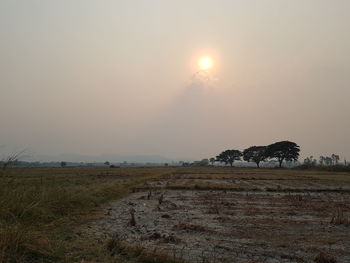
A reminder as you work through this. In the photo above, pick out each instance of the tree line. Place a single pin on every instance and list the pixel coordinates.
(281, 151)
(323, 160)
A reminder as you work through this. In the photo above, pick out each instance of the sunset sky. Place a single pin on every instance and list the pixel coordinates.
(180, 78)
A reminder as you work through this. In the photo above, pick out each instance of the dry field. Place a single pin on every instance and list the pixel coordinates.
(232, 215)
(173, 214)
(42, 209)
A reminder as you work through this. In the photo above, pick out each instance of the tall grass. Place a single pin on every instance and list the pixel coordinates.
(36, 202)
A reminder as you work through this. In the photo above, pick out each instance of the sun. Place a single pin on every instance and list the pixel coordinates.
(205, 63)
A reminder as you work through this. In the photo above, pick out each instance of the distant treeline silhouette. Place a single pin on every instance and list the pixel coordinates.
(281, 151)
(324, 160)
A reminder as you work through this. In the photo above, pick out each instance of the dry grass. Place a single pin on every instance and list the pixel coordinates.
(40, 207)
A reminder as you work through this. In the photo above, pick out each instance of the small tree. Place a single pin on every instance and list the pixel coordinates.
(283, 151)
(322, 160)
(63, 164)
(255, 154)
(328, 161)
(229, 156)
(204, 162)
(335, 159)
(212, 161)
(107, 163)
(310, 161)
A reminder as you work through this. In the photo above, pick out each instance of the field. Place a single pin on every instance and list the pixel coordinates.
(41, 208)
(177, 214)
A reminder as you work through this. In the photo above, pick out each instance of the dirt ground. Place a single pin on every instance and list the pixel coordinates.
(235, 217)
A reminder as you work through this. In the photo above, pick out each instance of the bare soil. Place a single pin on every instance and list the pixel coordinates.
(244, 218)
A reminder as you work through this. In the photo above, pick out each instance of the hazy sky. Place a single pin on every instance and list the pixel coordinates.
(95, 77)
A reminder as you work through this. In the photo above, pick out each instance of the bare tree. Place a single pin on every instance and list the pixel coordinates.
(11, 159)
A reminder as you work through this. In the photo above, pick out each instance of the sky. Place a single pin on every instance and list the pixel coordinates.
(121, 77)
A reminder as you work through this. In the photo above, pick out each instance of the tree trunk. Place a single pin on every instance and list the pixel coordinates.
(280, 161)
(231, 164)
(257, 164)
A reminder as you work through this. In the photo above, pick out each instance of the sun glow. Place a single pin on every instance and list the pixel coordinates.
(205, 63)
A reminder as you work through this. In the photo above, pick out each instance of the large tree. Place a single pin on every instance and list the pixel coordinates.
(229, 156)
(283, 151)
(255, 154)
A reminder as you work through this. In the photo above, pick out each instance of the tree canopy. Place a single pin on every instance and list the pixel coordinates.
(255, 154)
(283, 151)
(229, 156)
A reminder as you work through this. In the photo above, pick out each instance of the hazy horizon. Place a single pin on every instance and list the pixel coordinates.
(121, 77)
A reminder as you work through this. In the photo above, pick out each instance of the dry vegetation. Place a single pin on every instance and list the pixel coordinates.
(41, 208)
(237, 215)
(174, 215)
